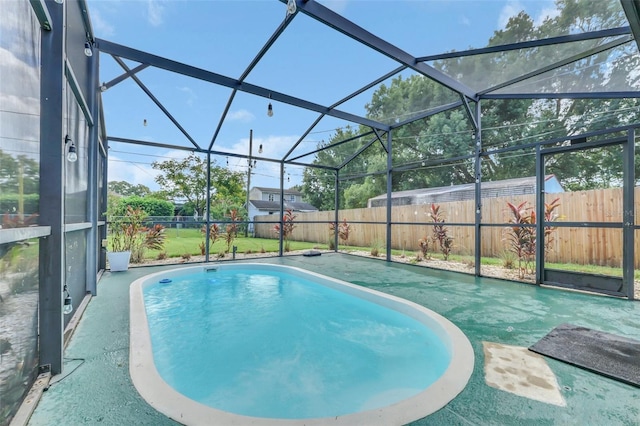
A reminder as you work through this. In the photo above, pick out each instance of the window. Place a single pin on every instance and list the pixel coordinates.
(292, 197)
(271, 197)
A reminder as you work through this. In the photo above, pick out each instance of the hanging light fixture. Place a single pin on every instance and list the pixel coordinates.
(144, 122)
(68, 306)
(270, 110)
(87, 49)
(260, 149)
(72, 155)
(227, 161)
(291, 7)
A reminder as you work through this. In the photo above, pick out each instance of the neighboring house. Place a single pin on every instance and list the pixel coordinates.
(264, 201)
(443, 194)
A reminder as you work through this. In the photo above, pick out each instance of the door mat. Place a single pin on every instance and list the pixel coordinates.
(603, 353)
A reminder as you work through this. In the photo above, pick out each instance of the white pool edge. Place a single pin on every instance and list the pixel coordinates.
(178, 407)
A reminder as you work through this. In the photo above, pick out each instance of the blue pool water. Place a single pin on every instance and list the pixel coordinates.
(272, 344)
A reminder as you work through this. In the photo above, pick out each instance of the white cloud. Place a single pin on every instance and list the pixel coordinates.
(101, 27)
(512, 8)
(132, 171)
(191, 96)
(241, 115)
(135, 170)
(465, 21)
(155, 12)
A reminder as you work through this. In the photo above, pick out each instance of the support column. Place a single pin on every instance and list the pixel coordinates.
(208, 209)
(52, 146)
(478, 191)
(540, 216)
(93, 249)
(628, 219)
(389, 193)
(336, 210)
(281, 234)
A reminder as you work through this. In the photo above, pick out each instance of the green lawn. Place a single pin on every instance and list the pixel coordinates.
(183, 241)
(187, 241)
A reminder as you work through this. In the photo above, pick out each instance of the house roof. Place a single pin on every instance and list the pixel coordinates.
(489, 188)
(277, 190)
(275, 205)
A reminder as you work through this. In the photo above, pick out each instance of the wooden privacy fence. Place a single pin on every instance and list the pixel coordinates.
(595, 246)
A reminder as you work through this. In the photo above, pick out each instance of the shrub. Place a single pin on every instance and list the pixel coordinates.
(521, 239)
(214, 234)
(508, 259)
(232, 229)
(376, 248)
(129, 234)
(151, 206)
(423, 243)
(344, 230)
(441, 232)
(288, 226)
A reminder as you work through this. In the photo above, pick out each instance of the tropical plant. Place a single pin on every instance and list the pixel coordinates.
(128, 233)
(441, 232)
(423, 243)
(232, 229)
(343, 228)
(288, 226)
(521, 238)
(214, 234)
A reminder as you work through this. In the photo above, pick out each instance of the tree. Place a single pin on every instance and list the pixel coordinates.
(126, 189)
(505, 123)
(187, 178)
(16, 169)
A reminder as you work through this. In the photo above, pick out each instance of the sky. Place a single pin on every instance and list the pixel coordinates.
(308, 61)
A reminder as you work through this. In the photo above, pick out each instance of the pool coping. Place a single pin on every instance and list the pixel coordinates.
(162, 397)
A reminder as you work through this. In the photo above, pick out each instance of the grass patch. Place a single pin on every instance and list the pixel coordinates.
(182, 241)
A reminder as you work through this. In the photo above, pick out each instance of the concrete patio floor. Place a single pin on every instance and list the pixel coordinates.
(95, 387)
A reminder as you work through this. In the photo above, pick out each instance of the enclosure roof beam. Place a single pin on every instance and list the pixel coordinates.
(248, 70)
(348, 28)
(123, 77)
(385, 147)
(153, 144)
(632, 10)
(333, 145)
(565, 95)
(345, 99)
(304, 135)
(227, 107)
(369, 86)
(360, 151)
(470, 113)
(157, 102)
(613, 32)
(211, 77)
(566, 61)
(429, 113)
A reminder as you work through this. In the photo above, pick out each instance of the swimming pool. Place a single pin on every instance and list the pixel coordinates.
(193, 383)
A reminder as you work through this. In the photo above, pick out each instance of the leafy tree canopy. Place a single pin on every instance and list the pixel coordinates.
(426, 151)
(126, 189)
(187, 179)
